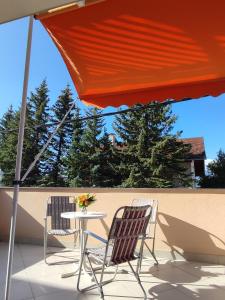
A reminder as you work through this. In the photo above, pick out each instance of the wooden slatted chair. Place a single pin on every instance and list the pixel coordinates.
(128, 226)
(58, 226)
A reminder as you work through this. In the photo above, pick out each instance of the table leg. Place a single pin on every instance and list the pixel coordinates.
(83, 225)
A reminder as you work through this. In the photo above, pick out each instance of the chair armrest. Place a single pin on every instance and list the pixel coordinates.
(94, 235)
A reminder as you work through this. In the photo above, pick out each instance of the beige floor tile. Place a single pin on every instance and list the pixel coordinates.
(173, 275)
(44, 270)
(69, 295)
(201, 269)
(179, 280)
(17, 259)
(148, 279)
(156, 285)
(34, 254)
(15, 271)
(172, 294)
(20, 290)
(202, 292)
(218, 281)
(44, 282)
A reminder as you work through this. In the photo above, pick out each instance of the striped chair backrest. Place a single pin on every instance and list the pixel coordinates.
(57, 205)
(126, 230)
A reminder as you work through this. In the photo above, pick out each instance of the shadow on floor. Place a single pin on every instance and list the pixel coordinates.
(161, 283)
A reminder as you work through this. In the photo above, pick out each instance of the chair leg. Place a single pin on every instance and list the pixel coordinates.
(138, 280)
(98, 284)
(115, 274)
(152, 253)
(139, 264)
(153, 246)
(45, 245)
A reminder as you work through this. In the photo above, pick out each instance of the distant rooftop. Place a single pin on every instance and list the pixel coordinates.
(197, 151)
(197, 147)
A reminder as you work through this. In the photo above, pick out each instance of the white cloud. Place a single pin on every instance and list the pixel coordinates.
(207, 161)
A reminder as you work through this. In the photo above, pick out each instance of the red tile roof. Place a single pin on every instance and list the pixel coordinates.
(197, 147)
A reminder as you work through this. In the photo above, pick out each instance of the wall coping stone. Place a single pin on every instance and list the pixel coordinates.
(117, 190)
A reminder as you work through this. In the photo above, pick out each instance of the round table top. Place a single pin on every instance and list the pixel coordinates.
(81, 215)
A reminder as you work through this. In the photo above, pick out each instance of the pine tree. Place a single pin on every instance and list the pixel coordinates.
(73, 161)
(216, 176)
(104, 172)
(90, 146)
(29, 150)
(91, 157)
(8, 142)
(5, 124)
(151, 156)
(34, 137)
(62, 139)
(168, 162)
(86, 152)
(37, 132)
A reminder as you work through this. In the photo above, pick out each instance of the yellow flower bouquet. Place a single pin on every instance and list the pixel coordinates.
(85, 200)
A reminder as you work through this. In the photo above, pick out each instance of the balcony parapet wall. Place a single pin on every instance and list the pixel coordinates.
(190, 221)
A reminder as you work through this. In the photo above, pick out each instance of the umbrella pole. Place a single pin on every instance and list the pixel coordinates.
(16, 182)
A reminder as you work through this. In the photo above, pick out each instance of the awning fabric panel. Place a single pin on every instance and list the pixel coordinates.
(125, 52)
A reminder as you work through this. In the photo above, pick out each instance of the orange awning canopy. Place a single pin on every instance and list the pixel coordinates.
(126, 52)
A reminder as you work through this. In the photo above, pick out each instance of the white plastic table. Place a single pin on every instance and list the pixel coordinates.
(83, 218)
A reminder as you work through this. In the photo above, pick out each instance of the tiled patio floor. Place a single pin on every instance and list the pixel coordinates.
(33, 279)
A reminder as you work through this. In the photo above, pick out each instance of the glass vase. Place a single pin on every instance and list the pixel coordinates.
(84, 209)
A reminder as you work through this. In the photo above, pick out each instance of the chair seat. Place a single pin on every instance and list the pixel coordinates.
(62, 231)
(99, 253)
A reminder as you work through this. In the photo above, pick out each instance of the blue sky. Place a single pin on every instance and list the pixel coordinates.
(202, 117)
